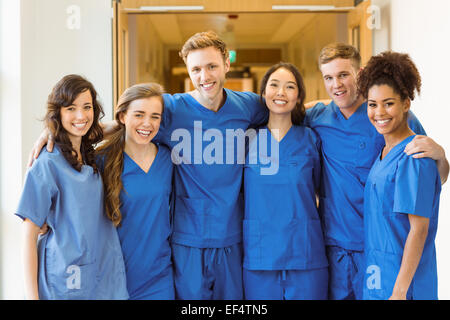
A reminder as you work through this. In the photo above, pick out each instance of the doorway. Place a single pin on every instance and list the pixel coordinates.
(147, 42)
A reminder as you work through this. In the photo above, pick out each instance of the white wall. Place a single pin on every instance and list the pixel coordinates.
(41, 42)
(421, 28)
(10, 143)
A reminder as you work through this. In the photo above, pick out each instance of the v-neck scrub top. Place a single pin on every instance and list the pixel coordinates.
(208, 208)
(397, 186)
(349, 148)
(282, 230)
(145, 228)
(80, 256)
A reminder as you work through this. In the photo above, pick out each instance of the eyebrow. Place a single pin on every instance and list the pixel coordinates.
(384, 100)
(293, 82)
(341, 72)
(84, 104)
(142, 112)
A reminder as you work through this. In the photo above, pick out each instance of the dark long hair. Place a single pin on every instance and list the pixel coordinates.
(112, 149)
(64, 94)
(298, 114)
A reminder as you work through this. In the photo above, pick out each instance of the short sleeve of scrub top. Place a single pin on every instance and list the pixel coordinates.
(415, 186)
(38, 191)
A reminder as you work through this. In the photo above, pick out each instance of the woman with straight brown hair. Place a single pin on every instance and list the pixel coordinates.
(137, 176)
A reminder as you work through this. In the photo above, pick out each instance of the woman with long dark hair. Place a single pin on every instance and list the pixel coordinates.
(79, 257)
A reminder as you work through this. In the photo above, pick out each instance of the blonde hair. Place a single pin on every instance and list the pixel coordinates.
(340, 50)
(203, 40)
(112, 150)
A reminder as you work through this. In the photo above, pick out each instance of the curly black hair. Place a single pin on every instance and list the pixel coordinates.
(394, 69)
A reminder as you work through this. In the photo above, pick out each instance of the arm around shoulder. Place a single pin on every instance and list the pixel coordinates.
(425, 147)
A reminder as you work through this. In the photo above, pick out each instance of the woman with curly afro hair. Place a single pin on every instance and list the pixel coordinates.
(401, 199)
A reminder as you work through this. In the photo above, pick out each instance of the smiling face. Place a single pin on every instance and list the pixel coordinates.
(142, 120)
(207, 70)
(281, 92)
(341, 85)
(77, 118)
(387, 111)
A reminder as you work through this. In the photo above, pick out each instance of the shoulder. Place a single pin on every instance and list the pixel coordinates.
(415, 124)
(306, 134)
(421, 166)
(164, 152)
(247, 95)
(48, 161)
(173, 101)
(163, 149)
(100, 158)
(244, 99)
(319, 110)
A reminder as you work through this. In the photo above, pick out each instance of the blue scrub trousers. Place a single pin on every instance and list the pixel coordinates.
(286, 284)
(162, 288)
(208, 273)
(346, 273)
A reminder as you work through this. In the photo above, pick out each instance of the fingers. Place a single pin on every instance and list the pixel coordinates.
(45, 138)
(420, 155)
(50, 143)
(43, 230)
(30, 158)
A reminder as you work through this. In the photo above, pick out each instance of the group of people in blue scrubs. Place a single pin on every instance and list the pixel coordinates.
(232, 232)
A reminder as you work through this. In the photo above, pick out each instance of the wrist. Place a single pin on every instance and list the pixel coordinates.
(399, 292)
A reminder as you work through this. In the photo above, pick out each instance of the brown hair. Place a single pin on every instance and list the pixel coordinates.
(394, 69)
(340, 50)
(112, 150)
(298, 114)
(64, 94)
(203, 40)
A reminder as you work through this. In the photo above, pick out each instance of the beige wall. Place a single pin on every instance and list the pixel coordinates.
(146, 52)
(304, 48)
(36, 49)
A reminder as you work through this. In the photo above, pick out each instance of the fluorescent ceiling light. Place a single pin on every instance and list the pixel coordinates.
(311, 8)
(171, 8)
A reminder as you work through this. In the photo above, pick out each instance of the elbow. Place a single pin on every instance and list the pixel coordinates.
(420, 232)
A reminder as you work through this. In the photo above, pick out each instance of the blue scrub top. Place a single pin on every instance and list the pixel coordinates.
(146, 228)
(397, 186)
(349, 148)
(208, 207)
(80, 255)
(282, 230)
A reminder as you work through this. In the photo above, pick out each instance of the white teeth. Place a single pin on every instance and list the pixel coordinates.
(143, 132)
(279, 102)
(382, 121)
(207, 85)
(79, 125)
(340, 93)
